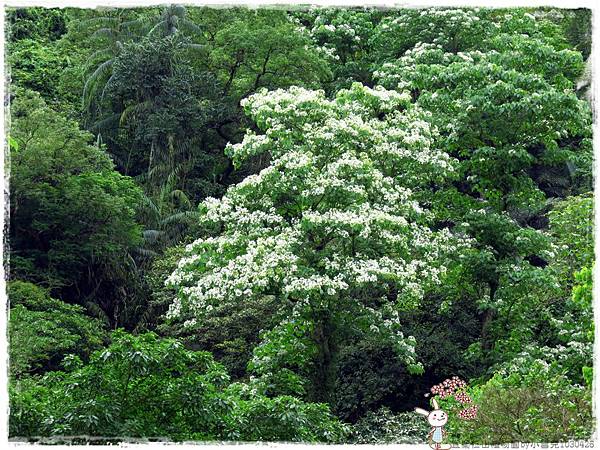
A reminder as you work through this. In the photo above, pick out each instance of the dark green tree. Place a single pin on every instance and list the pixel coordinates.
(72, 216)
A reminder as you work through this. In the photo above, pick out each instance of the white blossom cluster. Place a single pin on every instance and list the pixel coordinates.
(443, 37)
(440, 26)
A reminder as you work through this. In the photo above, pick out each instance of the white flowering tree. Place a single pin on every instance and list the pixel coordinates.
(331, 226)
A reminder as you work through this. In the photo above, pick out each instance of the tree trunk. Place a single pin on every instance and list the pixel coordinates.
(487, 340)
(324, 375)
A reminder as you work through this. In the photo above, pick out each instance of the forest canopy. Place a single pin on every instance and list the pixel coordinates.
(233, 224)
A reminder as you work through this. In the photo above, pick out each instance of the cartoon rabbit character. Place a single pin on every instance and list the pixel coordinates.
(437, 419)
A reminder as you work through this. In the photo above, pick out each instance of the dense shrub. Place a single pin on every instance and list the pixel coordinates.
(42, 330)
(528, 406)
(385, 427)
(143, 386)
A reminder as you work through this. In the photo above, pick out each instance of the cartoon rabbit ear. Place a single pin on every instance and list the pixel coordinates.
(422, 412)
(435, 403)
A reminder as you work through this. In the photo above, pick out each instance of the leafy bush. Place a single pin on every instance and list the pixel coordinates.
(42, 330)
(36, 23)
(369, 375)
(385, 427)
(527, 406)
(143, 386)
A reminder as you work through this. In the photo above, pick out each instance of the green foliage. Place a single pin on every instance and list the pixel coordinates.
(42, 330)
(588, 375)
(41, 58)
(157, 114)
(70, 212)
(528, 405)
(475, 94)
(582, 291)
(154, 101)
(116, 395)
(495, 94)
(284, 357)
(369, 374)
(343, 37)
(566, 346)
(172, 83)
(229, 331)
(500, 87)
(354, 243)
(232, 332)
(168, 215)
(544, 393)
(385, 427)
(160, 295)
(576, 329)
(36, 23)
(572, 229)
(578, 30)
(261, 48)
(37, 66)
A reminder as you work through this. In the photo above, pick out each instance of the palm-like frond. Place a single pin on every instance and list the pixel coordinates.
(108, 33)
(200, 48)
(145, 252)
(131, 112)
(146, 320)
(179, 196)
(119, 161)
(98, 22)
(151, 236)
(94, 79)
(160, 26)
(150, 206)
(103, 54)
(106, 87)
(183, 216)
(189, 27)
(172, 20)
(105, 123)
(117, 31)
(96, 311)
